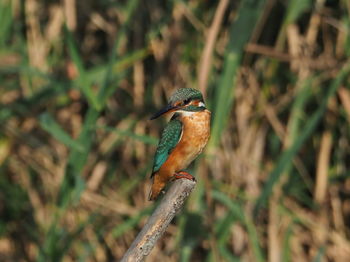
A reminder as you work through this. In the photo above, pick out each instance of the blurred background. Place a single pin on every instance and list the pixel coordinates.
(80, 79)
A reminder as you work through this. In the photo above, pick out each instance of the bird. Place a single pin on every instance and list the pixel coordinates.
(182, 140)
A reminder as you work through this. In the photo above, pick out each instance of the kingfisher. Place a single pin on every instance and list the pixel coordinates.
(183, 138)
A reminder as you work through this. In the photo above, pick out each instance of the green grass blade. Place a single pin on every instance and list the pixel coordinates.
(240, 32)
(5, 21)
(107, 88)
(81, 82)
(192, 230)
(58, 240)
(286, 250)
(222, 227)
(285, 160)
(227, 255)
(97, 74)
(185, 254)
(238, 212)
(130, 223)
(73, 185)
(129, 185)
(51, 126)
(295, 9)
(234, 207)
(320, 254)
(128, 133)
(297, 115)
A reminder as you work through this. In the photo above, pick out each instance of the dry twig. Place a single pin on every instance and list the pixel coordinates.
(159, 221)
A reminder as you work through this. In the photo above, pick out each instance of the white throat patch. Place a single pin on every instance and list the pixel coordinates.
(201, 104)
(186, 113)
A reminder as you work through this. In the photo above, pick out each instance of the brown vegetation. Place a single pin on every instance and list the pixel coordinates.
(79, 80)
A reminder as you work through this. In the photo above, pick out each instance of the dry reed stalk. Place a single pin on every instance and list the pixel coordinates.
(70, 11)
(344, 95)
(323, 167)
(159, 220)
(205, 62)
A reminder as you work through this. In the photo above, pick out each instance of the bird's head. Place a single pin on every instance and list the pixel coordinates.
(183, 100)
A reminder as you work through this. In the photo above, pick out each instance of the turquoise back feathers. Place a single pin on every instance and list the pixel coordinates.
(182, 100)
(169, 139)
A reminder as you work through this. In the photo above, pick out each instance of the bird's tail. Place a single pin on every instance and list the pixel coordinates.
(157, 187)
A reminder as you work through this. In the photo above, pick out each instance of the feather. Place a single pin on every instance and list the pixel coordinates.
(170, 137)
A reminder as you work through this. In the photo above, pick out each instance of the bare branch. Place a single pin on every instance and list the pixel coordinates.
(159, 221)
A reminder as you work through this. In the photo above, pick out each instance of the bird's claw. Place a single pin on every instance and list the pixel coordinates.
(183, 174)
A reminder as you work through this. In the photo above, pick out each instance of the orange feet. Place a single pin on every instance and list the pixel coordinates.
(183, 174)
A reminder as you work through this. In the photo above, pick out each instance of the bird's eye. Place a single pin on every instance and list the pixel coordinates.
(187, 101)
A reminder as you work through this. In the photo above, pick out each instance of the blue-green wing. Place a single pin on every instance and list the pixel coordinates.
(169, 139)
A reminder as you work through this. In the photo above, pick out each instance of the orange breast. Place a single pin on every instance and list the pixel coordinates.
(195, 135)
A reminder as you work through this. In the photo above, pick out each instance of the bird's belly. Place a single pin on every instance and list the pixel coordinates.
(195, 136)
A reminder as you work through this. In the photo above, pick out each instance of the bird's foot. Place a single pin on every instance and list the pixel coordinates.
(183, 174)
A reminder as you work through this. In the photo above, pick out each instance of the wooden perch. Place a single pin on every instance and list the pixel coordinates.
(159, 220)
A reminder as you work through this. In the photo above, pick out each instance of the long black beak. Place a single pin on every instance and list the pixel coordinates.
(166, 109)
